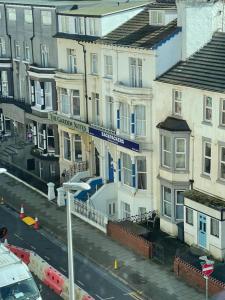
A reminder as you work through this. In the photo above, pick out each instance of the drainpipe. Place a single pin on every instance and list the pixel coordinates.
(31, 39)
(85, 80)
(10, 43)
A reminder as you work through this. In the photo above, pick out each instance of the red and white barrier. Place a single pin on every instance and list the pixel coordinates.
(47, 274)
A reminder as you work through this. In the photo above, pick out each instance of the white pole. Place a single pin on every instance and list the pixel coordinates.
(206, 287)
(70, 248)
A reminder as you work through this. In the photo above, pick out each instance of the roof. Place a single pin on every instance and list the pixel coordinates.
(108, 8)
(76, 37)
(50, 3)
(163, 4)
(174, 124)
(137, 33)
(205, 199)
(203, 70)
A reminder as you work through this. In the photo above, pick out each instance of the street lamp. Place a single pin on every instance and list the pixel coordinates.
(3, 170)
(70, 186)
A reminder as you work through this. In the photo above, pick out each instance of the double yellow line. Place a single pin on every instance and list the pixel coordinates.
(136, 295)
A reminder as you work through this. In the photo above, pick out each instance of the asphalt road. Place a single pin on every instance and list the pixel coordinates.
(100, 284)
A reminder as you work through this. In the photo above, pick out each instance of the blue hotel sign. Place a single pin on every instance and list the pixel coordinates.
(114, 139)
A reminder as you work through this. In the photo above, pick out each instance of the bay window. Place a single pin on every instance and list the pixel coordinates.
(125, 209)
(38, 94)
(179, 202)
(65, 101)
(141, 173)
(126, 169)
(166, 201)
(140, 120)
(180, 153)
(125, 117)
(222, 163)
(75, 94)
(41, 136)
(77, 147)
(166, 151)
(67, 146)
(48, 95)
(50, 139)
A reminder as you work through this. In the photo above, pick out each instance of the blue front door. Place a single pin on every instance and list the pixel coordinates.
(110, 168)
(202, 230)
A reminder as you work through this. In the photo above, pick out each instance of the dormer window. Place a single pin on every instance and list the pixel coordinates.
(156, 17)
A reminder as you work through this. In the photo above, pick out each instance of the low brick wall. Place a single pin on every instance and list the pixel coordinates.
(132, 241)
(194, 277)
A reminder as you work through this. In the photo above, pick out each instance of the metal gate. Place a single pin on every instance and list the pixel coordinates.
(158, 253)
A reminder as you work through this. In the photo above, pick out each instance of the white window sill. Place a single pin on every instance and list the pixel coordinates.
(208, 123)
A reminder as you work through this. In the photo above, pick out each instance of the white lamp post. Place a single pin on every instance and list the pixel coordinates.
(69, 186)
(3, 170)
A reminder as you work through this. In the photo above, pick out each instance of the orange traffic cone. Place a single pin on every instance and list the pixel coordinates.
(36, 224)
(22, 214)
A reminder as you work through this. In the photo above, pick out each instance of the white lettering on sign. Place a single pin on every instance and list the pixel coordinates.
(112, 137)
(207, 268)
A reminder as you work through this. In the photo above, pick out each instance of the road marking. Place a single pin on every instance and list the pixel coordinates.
(81, 283)
(47, 257)
(18, 236)
(32, 247)
(109, 298)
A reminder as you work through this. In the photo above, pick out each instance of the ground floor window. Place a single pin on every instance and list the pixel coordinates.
(126, 169)
(214, 227)
(41, 136)
(125, 210)
(166, 199)
(112, 208)
(67, 146)
(189, 216)
(179, 200)
(142, 173)
(50, 138)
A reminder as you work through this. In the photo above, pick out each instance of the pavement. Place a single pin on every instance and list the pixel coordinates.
(149, 280)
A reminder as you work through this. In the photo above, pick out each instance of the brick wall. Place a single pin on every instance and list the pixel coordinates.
(195, 278)
(134, 242)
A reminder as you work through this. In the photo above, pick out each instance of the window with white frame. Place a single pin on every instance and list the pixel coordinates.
(189, 216)
(179, 200)
(108, 66)
(75, 94)
(93, 26)
(180, 153)
(222, 162)
(222, 112)
(65, 101)
(44, 55)
(46, 17)
(94, 63)
(125, 209)
(50, 139)
(67, 146)
(207, 156)
(38, 93)
(12, 14)
(135, 67)
(112, 208)
(72, 61)
(125, 117)
(110, 112)
(141, 173)
(28, 18)
(166, 151)
(214, 227)
(77, 147)
(41, 136)
(207, 109)
(156, 17)
(140, 116)
(64, 24)
(2, 47)
(17, 49)
(96, 108)
(166, 199)
(26, 51)
(48, 94)
(126, 169)
(77, 25)
(4, 83)
(177, 104)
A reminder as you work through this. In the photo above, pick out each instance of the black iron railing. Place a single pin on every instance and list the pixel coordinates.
(20, 102)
